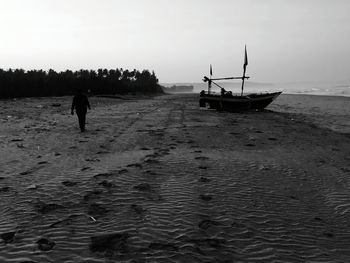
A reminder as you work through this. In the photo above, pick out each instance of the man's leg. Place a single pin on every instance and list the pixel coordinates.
(81, 117)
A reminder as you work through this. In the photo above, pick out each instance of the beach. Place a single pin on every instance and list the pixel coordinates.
(158, 179)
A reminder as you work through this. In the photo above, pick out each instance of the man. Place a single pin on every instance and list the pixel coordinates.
(80, 104)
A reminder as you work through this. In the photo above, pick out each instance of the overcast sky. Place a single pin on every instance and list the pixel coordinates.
(287, 40)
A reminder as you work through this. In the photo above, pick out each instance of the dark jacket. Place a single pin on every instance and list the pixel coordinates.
(80, 103)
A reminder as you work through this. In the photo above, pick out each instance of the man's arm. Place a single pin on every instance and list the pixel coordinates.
(87, 103)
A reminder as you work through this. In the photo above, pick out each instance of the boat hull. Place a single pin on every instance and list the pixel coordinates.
(234, 103)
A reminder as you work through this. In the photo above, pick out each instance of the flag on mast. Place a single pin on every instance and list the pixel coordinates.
(245, 58)
(211, 70)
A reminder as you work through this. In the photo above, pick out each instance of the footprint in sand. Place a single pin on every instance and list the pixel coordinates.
(44, 208)
(344, 169)
(138, 165)
(103, 175)
(96, 210)
(143, 187)
(272, 139)
(328, 234)
(25, 172)
(85, 168)
(207, 242)
(293, 197)
(110, 243)
(164, 152)
(65, 222)
(250, 145)
(163, 246)
(144, 149)
(317, 218)
(4, 189)
(205, 224)
(206, 197)
(149, 172)
(202, 158)
(202, 167)
(8, 237)
(137, 208)
(151, 161)
(92, 160)
(45, 244)
(107, 184)
(102, 152)
(123, 171)
(17, 140)
(43, 162)
(150, 193)
(204, 180)
(69, 183)
(92, 194)
(238, 225)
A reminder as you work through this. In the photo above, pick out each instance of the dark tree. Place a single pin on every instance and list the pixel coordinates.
(37, 83)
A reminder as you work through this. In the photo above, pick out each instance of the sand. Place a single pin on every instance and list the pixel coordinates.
(161, 180)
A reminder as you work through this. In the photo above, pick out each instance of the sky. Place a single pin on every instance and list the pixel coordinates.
(287, 40)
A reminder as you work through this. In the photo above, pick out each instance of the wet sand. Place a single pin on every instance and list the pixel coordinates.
(161, 180)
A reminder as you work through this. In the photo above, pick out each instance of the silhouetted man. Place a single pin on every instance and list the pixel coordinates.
(80, 104)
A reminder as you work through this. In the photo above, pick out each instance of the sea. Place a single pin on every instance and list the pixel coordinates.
(330, 88)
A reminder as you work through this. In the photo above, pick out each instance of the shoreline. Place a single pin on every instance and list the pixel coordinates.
(324, 95)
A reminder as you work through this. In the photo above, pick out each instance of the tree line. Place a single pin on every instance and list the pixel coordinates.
(39, 83)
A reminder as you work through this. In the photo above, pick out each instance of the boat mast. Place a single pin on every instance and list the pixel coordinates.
(209, 81)
(244, 68)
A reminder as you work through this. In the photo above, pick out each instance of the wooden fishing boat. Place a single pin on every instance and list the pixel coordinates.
(226, 100)
(232, 102)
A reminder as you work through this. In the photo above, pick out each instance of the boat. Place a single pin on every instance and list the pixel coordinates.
(227, 101)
